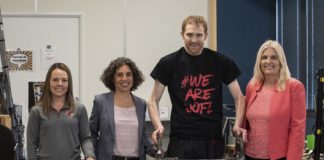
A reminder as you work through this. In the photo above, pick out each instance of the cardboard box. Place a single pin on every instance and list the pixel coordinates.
(5, 120)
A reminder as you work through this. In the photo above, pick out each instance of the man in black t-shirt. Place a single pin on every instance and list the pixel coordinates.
(194, 77)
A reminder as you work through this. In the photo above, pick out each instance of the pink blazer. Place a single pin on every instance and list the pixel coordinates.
(287, 119)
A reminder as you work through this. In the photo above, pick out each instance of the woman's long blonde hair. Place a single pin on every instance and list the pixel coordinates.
(284, 73)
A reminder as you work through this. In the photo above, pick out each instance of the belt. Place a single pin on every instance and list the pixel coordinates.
(115, 157)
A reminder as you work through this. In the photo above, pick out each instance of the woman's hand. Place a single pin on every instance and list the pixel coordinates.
(240, 132)
(90, 158)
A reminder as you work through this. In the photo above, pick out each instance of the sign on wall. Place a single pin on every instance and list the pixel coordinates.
(20, 60)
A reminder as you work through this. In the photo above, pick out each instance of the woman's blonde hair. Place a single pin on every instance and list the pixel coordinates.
(284, 73)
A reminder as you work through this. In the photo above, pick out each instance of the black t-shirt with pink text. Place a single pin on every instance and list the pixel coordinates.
(195, 87)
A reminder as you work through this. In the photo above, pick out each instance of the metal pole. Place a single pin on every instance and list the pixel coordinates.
(17, 126)
(319, 116)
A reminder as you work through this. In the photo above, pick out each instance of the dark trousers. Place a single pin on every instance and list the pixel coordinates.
(250, 158)
(196, 149)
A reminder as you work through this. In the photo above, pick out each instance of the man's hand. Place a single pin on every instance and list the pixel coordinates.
(158, 133)
(240, 132)
(90, 158)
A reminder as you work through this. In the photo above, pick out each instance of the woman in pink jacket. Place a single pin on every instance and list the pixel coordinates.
(276, 108)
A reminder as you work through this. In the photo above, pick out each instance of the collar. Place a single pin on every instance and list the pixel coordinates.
(258, 87)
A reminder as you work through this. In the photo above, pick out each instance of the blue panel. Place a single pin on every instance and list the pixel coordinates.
(242, 26)
(315, 46)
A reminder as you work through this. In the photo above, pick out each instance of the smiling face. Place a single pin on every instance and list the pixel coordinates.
(59, 83)
(123, 79)
(194, 38)
(270, 64)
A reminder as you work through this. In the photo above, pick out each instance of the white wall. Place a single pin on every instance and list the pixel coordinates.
(144, 30)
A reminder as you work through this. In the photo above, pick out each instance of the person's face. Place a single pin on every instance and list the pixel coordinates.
(59, 83)
(270, 64)
(194, 38)
(123, 79)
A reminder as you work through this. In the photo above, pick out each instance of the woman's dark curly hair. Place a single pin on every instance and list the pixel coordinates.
(107, 76)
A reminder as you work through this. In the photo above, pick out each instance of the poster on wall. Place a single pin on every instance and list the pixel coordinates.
(48, 56)
(20, 60)
(35, 90)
